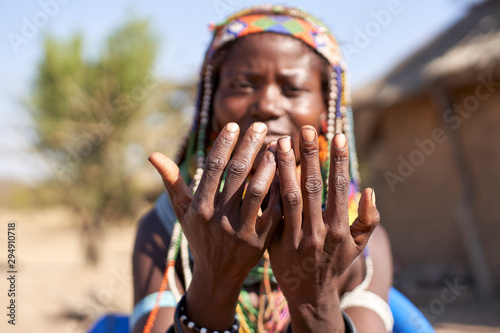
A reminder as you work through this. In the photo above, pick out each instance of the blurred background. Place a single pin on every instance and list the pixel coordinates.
(89, 89)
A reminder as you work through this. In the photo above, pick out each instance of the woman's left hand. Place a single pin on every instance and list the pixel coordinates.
(226, 234)
(315, 247)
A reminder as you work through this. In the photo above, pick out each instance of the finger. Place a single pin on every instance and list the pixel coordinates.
(258, 187)
(311, 182)
(177, 189)
(204, 197)
(337, 217)
(271, 217)
(367, 220)
(290, 190)
(241, 163)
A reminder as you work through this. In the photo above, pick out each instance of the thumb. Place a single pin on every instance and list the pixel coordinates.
(179, 193)
(367, 220)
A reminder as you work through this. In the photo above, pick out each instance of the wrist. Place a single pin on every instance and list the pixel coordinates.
(211, 303)
(316, 314)
(323, 296)
(183, 324)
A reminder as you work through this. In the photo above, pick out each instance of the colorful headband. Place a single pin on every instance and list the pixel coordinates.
(317, 37)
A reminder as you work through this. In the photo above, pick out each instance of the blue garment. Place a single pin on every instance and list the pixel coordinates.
(111, 323)
(165, 212)
(147, 304)
(407, 318)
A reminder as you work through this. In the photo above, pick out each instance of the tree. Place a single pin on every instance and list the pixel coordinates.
(91, 118)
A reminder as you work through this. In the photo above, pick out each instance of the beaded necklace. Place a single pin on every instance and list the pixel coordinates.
(272, 313)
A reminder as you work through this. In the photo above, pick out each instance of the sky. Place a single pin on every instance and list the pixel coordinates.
(375, 35)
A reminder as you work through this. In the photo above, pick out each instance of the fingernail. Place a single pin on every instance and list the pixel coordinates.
(272, 146)
(339, 140)
(285, 144)
(308, 134)
(259, 127)
(373, 197)
(232, 127)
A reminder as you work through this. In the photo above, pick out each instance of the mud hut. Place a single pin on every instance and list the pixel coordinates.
(429, 134)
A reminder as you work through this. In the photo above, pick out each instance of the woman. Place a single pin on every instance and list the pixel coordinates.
(273, 179)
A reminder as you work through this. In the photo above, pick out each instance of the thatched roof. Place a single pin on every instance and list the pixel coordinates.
(471, 45)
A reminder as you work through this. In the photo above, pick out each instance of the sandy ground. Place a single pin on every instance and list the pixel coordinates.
(57, 293)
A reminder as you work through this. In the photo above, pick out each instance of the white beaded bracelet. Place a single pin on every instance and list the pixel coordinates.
(180, 317)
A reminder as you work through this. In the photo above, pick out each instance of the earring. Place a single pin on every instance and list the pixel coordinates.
(330, 129)
(204, 117)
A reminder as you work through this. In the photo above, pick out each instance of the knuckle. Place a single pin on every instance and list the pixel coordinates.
(287, 161)
(237, 167)
(314, 242)
(336, 235)
(341, 159)
(374, 224)
(313, 184)
(257, 190)
(247, 236)
(369, 220)
(225, 140)
(252, 139)
(240, 235)
(269, 158)
(310, 152)
(251, 142)
(341, 184)
(292, 198)
(201, 212)
(215, 163)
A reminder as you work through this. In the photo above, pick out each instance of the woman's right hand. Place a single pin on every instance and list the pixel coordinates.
(226, 235)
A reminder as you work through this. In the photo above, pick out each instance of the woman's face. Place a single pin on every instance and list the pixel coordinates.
(274, 79)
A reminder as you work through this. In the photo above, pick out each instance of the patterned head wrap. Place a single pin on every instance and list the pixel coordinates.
(300, 25)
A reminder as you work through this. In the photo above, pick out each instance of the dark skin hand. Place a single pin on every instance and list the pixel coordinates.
(151, 247)
(275, 80)
(319, 242)
(225, 233)
(228, 238)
